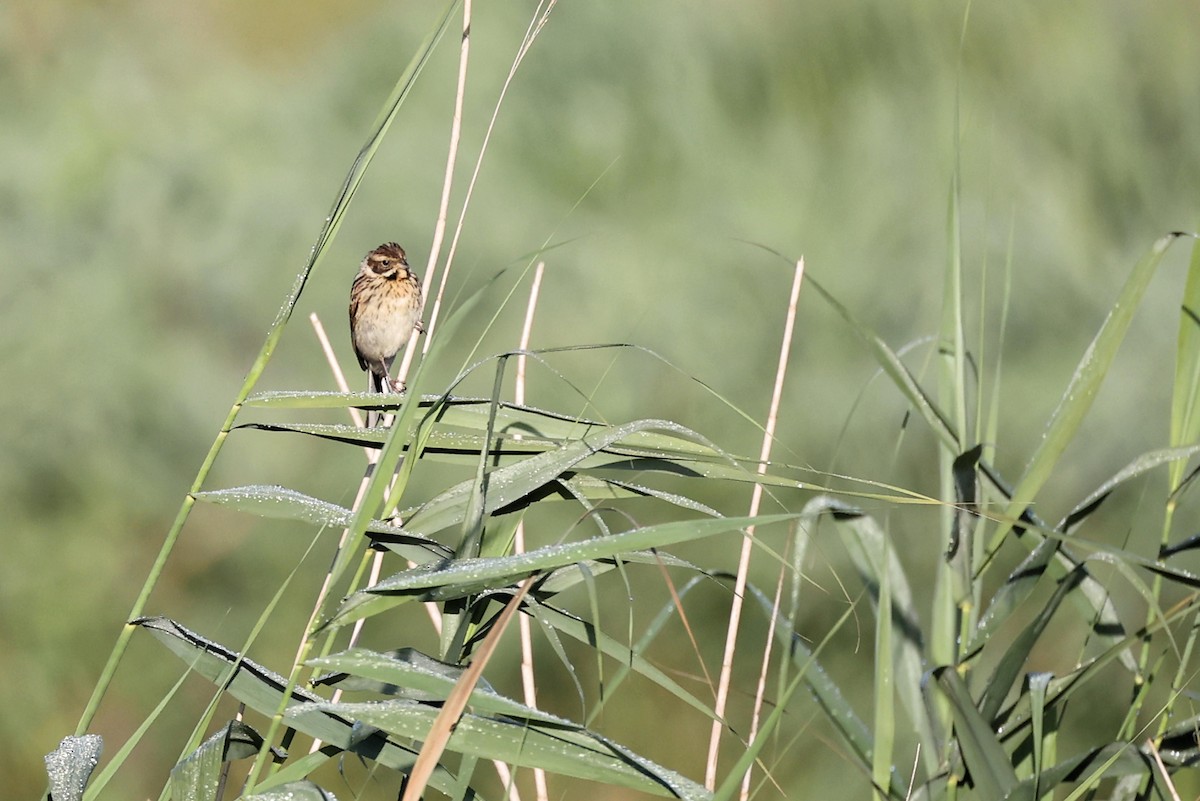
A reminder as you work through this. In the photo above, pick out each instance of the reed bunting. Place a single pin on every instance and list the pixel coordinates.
(385, 307)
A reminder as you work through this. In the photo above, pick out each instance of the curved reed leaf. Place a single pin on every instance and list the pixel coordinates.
(410, 674)
(262, 690)
(1185, 422)
(560, 747)
(990, 767)
(1081, 391)
(199, 774)
(1010, 664)
(70, 765)
(510, 569)
(292, 791)
(1139, 466)
(866, 542)
(288, 504)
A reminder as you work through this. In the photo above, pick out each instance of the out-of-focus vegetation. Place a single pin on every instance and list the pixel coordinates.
(168, 167)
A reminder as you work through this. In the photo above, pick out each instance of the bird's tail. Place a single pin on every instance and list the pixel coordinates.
(374, 384)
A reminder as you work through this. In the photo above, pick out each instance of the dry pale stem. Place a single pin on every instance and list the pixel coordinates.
(528, 679)
(735, 611)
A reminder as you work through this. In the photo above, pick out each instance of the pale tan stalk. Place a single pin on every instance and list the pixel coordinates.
(339, 378)
(439, 228)
(456, 702)
(1158, 763)
(335, 367)
(540, 16)
(528, 680)
(735, 611)
(760, 689)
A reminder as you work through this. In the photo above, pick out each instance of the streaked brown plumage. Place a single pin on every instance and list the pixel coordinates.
(385, 307)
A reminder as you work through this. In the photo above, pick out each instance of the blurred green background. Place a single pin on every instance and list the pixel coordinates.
(168, 166)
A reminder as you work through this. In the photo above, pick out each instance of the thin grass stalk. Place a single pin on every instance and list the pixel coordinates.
(540, 16)
(884, 716)
(335, 368)
(97, 785)
(439, 227)
(735, 611)
(952, 588)
(1162, 769)
(953, 585)
(339, 378)
(760, 690)
(528, 678)
(1185, 428)
(990, 435)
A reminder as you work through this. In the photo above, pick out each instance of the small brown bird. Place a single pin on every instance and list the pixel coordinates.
(385, 307)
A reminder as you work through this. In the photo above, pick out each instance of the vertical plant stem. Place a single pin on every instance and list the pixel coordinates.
(528, 680)
(439, 228)
(335, 368)
(539, 20)
(456, 702)
(735, 612)
(760, 689)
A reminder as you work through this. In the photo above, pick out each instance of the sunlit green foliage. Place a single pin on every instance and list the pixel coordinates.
(170, 169)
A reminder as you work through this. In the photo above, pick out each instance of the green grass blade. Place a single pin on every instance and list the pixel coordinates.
(118, 759)
(1043, 741)
(1016, 656)
(1185, 421)
(985, 757)
(198, 775)
(1173, 457)
(1082, 389)
(884, 683)
(262, 690)
(878, 565)
(563, 749)
(411, 674)
(806, 661)
(515, 567)
(292, 791)
(287, 504)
